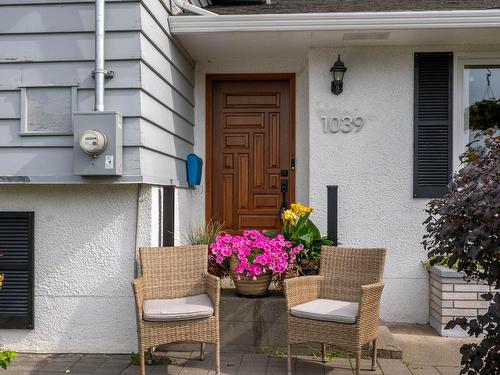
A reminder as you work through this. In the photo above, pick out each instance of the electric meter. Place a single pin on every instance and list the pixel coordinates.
(93, 142)
(97, 143)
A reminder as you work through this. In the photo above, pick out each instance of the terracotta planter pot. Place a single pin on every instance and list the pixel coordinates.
(247, 286)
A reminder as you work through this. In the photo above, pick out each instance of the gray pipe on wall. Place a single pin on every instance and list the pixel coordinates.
(99, 71)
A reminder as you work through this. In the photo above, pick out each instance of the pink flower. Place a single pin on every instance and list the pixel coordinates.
(256, 252)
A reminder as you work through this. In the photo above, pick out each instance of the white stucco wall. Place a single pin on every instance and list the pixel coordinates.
(189, 212)
(192, 202)
(84, 264)
(373, 167)
(150, 208)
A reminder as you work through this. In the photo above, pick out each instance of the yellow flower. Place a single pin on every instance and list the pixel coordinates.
(300, 210)
(288, 216)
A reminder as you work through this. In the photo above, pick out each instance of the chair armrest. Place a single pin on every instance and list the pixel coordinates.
(139, 293)
(369, 310)
(212, 288)
(302, 289)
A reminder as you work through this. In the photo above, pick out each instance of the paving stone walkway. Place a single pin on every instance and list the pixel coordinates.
(187, 363)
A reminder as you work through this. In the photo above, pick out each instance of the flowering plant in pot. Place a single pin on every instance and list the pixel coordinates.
(300, 230)
(254, 258)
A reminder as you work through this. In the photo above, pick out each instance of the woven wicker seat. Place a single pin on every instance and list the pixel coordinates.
(173, 273)
(346, 274)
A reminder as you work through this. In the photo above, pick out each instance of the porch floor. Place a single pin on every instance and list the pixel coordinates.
(424, 353)
(188, 363)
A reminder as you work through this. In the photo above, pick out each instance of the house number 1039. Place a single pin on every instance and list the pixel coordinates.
(342, 124)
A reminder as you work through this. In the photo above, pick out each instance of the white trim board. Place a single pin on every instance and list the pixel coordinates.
(336, 21)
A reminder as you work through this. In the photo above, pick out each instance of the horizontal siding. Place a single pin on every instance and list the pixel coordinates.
(163, 117)
(57, 18)
(161, 9)
(125, 101)
(167, 94)
(67, 47)
(166, 70)
(56, 165)
(9, 135)
(51, 43)
(158, 168)
(156, 138)
(10, 104)
(127, 74)
(167, 100)
(165, 44)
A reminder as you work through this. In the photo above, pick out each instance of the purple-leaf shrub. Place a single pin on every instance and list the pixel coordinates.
(463, 230)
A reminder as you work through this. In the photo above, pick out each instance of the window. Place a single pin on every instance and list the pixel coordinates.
(477, 102)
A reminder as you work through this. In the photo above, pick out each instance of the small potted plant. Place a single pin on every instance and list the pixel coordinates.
(253, 259)
(300, 230)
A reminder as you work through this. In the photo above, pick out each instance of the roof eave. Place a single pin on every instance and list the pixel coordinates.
(336, 21)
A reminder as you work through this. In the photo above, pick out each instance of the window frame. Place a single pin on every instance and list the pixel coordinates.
(461, 60)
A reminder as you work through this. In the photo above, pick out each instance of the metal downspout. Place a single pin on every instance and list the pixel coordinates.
(99, 72)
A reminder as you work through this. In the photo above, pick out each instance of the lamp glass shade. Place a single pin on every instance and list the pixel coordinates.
(338, 75)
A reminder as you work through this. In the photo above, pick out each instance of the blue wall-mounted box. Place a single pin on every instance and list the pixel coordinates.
(194, 169)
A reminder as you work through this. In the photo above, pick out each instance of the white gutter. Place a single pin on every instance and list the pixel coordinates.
(336, 21)
(184, 5)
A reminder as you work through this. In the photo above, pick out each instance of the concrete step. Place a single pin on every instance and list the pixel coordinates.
(259, 325)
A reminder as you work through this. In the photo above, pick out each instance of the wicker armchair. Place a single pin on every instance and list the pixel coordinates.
(170, 273)
(353, 276)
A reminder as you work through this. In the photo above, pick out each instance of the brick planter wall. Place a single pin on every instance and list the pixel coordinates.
(453, 297)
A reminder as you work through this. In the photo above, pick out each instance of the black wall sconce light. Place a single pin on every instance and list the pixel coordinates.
(338, 69)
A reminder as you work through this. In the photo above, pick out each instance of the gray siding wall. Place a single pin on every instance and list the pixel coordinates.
(167, 98)
(51, 43)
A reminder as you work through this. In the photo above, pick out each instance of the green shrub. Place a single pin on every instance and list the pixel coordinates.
(5, 358)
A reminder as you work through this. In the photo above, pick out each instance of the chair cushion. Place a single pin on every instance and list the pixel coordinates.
(186, 308)
(328, 310)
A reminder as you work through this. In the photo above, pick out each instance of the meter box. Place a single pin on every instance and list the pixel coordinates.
(97, 144)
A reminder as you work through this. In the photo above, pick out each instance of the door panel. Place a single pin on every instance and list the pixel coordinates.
(251, 134)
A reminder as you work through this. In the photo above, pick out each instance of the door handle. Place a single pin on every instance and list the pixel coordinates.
(284, 190)
(284, 186)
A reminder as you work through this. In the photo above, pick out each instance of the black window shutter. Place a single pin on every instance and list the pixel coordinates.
(432, 153)
(16, 245)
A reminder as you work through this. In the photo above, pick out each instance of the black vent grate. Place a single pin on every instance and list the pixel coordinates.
(433, 123)
(16, 245)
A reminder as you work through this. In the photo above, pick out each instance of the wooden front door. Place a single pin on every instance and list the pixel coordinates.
(250, 150)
